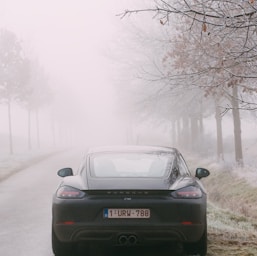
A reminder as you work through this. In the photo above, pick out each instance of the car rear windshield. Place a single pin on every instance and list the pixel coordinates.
(131, 165)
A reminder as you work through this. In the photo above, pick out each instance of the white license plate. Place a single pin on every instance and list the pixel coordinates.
(127, 213)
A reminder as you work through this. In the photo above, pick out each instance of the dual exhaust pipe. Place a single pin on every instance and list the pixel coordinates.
(127, 240)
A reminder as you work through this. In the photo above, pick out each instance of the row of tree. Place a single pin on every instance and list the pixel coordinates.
(208, 64)
(22, 81)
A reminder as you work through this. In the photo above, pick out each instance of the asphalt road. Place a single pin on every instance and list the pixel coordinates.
(25, 211)
(25, 207)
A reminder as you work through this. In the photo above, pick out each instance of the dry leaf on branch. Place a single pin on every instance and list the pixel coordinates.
(204, 27)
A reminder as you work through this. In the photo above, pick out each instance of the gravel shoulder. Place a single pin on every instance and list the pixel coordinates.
(230, 234)
(232, 214)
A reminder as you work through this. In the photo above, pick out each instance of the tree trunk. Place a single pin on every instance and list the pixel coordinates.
(237, 127)
(201, 129)
(220, 152)
(179, 132)
(10, 128)
(173, 133)
(37, 127)
(194, 134)
(186, 133)
(29, 129)
(53, 132)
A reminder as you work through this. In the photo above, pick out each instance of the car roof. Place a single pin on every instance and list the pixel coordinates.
(132, 148)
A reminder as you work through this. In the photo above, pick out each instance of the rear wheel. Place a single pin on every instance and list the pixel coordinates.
(60, 248)
(200, 247)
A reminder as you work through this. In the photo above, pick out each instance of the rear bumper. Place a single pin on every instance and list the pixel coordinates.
(144, 235)
(171, 220)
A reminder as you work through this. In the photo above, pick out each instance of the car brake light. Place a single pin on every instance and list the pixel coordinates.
(187, 223)
(67, 192)
(68, 222)
(187, 192)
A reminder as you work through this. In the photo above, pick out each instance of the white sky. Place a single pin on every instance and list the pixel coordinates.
(67, 36)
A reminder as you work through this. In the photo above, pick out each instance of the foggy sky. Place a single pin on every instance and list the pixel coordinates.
(71, 39)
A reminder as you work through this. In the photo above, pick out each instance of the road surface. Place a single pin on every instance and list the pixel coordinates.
(25, 211)
(25, 207)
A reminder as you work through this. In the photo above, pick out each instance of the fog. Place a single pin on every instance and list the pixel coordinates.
(89, 54)
(71, 41)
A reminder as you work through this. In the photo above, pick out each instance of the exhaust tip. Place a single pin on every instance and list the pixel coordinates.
(132, 240)
(123, 239)
(127, 240)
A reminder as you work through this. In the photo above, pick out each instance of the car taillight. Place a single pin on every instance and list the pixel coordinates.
(67, 192)
(187, 192)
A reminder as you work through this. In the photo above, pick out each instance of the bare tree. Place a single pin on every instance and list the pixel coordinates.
(215, 48)
(161, 94)
(13, 73)
(225, 22)
(34, 95)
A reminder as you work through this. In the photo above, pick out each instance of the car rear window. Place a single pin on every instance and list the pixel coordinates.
(130, 165)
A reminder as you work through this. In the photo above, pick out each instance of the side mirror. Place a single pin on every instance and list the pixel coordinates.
(65, 172)
(201, 173)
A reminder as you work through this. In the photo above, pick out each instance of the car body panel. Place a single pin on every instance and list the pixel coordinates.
(167, 215)
(171, 219)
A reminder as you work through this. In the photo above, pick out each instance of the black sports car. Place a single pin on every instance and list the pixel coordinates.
(129, 196)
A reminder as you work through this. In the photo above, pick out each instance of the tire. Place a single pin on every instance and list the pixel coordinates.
(60, 248)
(200, 247)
